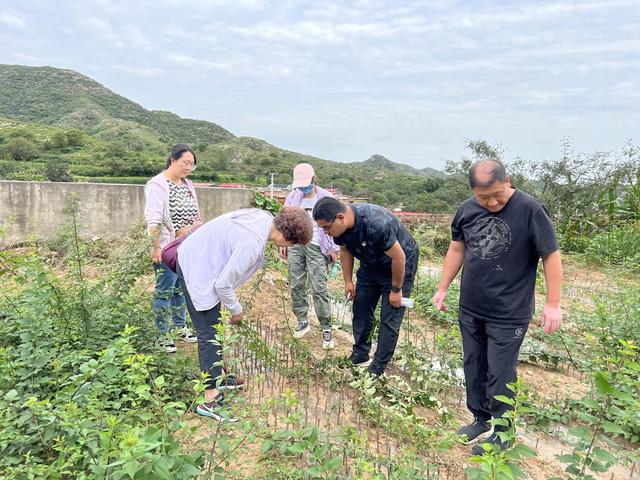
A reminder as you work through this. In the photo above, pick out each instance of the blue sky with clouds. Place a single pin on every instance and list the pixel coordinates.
(410, 80)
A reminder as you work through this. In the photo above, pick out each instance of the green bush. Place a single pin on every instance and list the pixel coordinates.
(619, 245)
(20, 148)
(57, 170)
(84, 392)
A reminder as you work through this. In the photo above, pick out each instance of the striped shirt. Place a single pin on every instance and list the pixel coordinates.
(182, 205)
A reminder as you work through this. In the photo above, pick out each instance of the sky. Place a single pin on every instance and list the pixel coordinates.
(410, 80)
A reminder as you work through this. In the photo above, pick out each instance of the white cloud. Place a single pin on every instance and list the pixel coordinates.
(14, 21)
(140, 70)
(239, 66)
(29, 59)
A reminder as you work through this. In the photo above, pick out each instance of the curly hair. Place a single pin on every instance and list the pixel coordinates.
(295, 225)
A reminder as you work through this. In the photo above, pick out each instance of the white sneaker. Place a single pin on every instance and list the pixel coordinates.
(301, 329)
(187, 335)
(327, 340)
(167, 344)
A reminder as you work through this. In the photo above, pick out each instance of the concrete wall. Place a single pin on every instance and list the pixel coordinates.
(39, 209)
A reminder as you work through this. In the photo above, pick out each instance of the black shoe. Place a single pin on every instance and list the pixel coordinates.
(375, 370)
(351, 361)
(231, 382)
(475, 432)
(494, 441)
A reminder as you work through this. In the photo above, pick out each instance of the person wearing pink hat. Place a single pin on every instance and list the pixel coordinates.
(308, 263)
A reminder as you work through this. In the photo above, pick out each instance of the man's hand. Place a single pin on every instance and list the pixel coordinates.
(350, 290)
(156, 254)
(282, 251)
(438, 301)
(395, 299)
(551, 318)
(333, 256)
(236, 319)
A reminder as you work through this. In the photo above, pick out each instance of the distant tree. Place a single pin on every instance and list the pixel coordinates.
(20, 148)
(75, 138)
(379, 199)
(116, 150)
(431, 184)
(482, 150)
(116, 166)
(23, 133)
(57, 170)
(59, 140)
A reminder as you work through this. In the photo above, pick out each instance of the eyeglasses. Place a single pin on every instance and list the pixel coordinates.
(326, 228)
(191, 166)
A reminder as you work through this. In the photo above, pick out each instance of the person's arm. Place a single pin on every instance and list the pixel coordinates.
(346, 261)
(551, 313)
(153, 215)
(452, 264)
(156, 251)
(397, 273)
(242, 259)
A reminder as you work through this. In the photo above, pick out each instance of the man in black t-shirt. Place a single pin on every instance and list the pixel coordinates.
(388, 257)
(498, 235)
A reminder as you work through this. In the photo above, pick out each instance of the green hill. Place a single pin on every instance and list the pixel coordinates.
(60, 125)
(380, 162)
(68, 99)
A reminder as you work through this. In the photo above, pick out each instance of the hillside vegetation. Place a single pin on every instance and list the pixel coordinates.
(63, 126)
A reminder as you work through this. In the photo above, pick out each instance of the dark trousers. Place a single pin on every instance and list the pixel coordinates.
(490, 356)
(370, 286)
(209, 349)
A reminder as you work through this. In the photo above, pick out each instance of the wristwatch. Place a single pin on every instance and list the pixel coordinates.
(395, 289)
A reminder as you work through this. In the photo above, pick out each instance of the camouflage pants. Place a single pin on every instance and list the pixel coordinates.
(307, 264)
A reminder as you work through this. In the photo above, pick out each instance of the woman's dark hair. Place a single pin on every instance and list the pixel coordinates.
(327, 208)
(295, 225)
(177, 152)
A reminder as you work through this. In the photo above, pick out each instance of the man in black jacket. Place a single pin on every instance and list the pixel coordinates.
(388, 257)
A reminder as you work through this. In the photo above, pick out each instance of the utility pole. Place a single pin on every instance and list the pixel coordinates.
(271, 185)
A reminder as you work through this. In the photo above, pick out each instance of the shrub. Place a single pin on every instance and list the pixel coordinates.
(57, 170)
(84, 393)
(618, 245)
(20, 148)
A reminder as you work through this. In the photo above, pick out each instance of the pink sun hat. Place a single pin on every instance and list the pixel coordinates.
(302, 175)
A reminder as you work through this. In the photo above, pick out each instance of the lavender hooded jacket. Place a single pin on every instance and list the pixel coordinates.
(156, 210)
(326, 242)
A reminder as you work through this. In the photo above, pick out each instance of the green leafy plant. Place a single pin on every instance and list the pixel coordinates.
(266, 203)
(497, 464)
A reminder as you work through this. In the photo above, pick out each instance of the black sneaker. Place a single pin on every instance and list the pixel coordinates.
(231, 382)
(476, 432)
(494, 441)
(327, 340)
(216, 410)
(301, 329)
(351, 361)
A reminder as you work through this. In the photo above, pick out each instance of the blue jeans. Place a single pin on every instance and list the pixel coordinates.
(168, 301)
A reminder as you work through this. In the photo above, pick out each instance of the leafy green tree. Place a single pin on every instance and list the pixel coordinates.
(20, 148)
(57, 170)
(75, 138)
(59, 140)
(23, 133)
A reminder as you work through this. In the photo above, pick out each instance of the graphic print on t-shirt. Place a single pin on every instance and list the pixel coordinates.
(490, 238)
